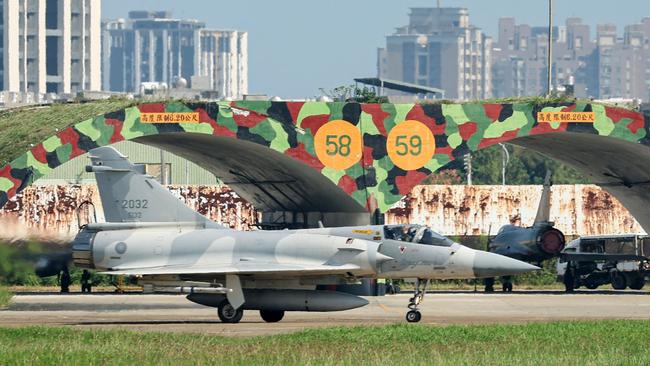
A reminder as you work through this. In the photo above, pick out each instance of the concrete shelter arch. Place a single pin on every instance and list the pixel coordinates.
(266, 150)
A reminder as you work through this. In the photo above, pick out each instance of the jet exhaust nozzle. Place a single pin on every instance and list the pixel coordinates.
(551, 241)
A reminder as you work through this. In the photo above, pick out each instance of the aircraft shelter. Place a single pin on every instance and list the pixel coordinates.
(304, 162)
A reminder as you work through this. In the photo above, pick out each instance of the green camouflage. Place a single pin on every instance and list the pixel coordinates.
(289, 128)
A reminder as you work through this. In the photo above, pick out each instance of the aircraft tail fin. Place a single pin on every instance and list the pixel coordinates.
(129, 195)
(543, 211)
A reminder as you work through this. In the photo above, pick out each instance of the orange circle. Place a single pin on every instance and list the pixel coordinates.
(338, 144)
(410, 145)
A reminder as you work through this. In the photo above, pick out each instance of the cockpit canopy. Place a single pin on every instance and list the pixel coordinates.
(416, 234)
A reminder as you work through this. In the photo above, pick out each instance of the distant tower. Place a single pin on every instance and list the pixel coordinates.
(439, 48)
(50, 46)
(154, 47)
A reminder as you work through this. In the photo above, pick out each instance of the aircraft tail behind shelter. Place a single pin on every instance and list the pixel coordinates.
(543, 211)
(129, 195)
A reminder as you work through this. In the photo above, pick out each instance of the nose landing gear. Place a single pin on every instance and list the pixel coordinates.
(414, 315)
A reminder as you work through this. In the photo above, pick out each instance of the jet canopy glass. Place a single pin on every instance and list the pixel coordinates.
(416, 234)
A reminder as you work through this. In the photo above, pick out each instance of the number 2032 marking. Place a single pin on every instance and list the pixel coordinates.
(135, 204)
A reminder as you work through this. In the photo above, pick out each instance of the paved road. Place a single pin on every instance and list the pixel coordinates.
(174, 313)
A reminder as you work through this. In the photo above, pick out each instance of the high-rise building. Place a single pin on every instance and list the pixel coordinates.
(606, 67)
(154, 47)
(520, 60)
(624, 64)
(440, 48)
(223, 62)
(50, 46)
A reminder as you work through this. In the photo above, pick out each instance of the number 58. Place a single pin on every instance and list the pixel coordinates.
(338, 145)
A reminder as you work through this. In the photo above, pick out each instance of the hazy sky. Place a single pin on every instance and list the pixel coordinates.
(298, 46)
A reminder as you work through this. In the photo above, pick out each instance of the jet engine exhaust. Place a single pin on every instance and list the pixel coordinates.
(552, 242)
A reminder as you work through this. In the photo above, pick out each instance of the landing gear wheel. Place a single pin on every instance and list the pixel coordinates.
(507, 287)
(619, 281)
(272, 316)
(489, 284)
(507, 283)
(413, 316)
(228, 314)
(637, 283)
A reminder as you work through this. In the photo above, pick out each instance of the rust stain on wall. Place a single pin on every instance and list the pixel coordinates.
(50, 211)
(479, 210)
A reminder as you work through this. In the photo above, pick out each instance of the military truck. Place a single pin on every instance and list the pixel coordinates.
(593, 261)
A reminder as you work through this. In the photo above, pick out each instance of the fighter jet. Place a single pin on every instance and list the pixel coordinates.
(152, 236)
(530, 244)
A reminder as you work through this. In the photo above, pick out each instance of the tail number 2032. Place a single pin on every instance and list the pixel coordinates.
(135, 203)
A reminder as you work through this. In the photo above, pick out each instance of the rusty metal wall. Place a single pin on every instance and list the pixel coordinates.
(49, 211)
(477, 210)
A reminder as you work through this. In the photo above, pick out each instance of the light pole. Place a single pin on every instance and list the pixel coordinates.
(550, 47)
(468, 167)
(504, 162)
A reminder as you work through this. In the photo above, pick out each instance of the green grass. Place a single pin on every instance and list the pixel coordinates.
(563, 343)
(5, 296)
(31, 125)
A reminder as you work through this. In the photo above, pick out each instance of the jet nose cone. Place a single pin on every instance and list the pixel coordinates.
(493, 265)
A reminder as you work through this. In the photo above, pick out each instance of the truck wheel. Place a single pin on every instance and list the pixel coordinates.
(590, 283)
(272, 316)
(619, 281)
(569, 282)
(637, 283)
(228, 314)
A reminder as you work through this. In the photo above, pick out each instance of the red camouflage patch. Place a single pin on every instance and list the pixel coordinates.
(294, 110)
(378, 116)
(6, 173)
(347, 184)
(509, 135)
(617, 114)
(301, 154)
(314, 123)
(406, 182)
(417, 113)
(467, 129)
(152, 108)
(493, 111)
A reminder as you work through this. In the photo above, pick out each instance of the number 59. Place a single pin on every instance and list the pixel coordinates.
(413, 147)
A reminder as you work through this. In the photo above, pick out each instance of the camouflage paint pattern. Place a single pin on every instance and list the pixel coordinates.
(289, 128)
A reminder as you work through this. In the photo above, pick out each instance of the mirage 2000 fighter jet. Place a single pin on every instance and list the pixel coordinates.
(168, 247)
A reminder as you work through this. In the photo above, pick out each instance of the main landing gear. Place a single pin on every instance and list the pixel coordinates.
(506, 282)
(414, 315)
(228, 314)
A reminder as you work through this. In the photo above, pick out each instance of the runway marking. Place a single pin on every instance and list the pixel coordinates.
(387, 309)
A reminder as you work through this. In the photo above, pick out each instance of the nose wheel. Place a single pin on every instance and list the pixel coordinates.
(414, 315)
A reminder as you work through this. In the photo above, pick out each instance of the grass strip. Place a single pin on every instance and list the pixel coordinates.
(566, 343)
